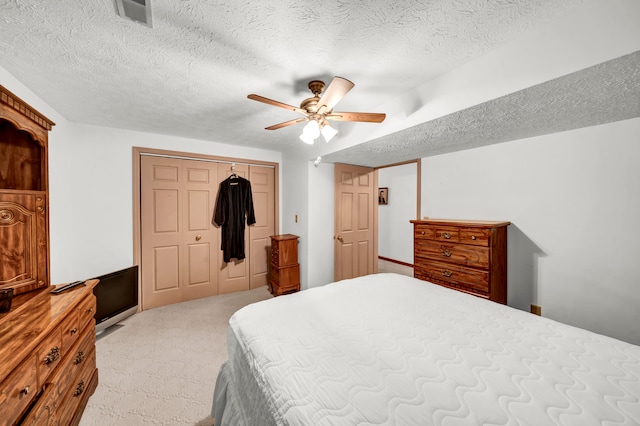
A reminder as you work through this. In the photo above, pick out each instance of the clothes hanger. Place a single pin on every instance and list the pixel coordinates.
(233, 177)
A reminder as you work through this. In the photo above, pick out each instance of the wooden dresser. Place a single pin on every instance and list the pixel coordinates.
(285, 270)
(48, 358)
(469, 256)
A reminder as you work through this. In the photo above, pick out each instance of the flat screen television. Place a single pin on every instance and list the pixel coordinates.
(116, 297)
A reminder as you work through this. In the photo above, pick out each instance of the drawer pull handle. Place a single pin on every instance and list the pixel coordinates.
(53, 356)
(89, 310)
(446, 253)
(473, 237)
(79, 358)
(446, 273)
(74, 330)
(446, 235)
(422, 233)
(25, 391)
(79, 389)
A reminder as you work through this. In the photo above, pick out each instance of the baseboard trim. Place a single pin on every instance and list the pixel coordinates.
(395, 261)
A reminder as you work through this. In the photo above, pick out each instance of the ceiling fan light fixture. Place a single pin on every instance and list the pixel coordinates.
(328, 132)
(307, 139)
(312, 129)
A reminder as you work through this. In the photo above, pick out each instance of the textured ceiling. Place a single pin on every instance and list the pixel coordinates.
(600, 94)
(190, 74)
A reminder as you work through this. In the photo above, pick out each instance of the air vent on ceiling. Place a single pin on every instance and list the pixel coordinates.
(136, 10)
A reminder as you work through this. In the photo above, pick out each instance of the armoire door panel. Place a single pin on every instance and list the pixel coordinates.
(20, 248)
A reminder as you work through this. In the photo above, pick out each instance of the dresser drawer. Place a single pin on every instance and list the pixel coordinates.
(77, 357)
(457, 276)
(460, 254)
(43, 412)
(86, 311)
(424, 232)
(18, 390)
(78, 391)
(475, 236)
(49, 355)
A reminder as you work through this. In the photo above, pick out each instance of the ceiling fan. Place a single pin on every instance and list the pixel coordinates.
(318, 110)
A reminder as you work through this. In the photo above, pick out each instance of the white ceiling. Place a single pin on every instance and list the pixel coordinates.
(190, 73)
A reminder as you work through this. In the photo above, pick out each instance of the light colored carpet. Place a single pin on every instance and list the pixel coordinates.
(160, 366)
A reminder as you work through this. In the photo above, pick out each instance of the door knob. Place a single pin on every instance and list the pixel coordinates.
(198, 237)
(339, 238)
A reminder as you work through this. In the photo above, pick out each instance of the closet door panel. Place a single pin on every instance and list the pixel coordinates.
(161, 218)
(263, 188)
(200, 183)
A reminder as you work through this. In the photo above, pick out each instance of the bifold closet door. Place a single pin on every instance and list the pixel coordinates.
(263, 187)
(251, 272)
(178, 240)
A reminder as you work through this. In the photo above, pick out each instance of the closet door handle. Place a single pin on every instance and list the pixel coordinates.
(198, 237)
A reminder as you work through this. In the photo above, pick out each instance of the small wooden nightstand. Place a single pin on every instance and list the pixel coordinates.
(285, 270)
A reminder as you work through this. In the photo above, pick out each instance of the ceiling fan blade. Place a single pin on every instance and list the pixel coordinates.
(368, 117)
(335, 91)
(285, 124)
(276, 103)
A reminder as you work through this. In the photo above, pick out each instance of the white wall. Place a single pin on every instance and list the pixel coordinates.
(91, 188)
(573, 201)
(295, 198)
(395, 232)
(321, 224)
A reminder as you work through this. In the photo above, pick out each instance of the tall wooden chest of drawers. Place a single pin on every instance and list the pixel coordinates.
(285, 270)
(47, 347)
(469, 256)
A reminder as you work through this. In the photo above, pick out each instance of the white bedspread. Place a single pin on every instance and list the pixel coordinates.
(388, 349)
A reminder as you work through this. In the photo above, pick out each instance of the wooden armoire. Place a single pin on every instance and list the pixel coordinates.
(47, 341)
(24, 195)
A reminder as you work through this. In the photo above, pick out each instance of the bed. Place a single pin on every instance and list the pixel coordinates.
(388, 349)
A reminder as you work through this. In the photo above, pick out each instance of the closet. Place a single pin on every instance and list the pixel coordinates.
(180, 257)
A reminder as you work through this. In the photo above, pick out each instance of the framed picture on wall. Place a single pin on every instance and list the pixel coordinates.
(383, 195)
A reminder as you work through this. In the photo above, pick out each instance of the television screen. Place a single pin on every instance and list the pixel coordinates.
(116, 297)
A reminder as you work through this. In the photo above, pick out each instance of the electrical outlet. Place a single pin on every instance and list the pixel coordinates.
(537, 310)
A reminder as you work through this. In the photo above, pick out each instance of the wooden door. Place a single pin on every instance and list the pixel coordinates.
(263, 188)
(177, 238)
(234, 275)
(354, 239)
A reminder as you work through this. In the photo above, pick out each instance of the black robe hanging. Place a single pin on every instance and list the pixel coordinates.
(233, 204)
